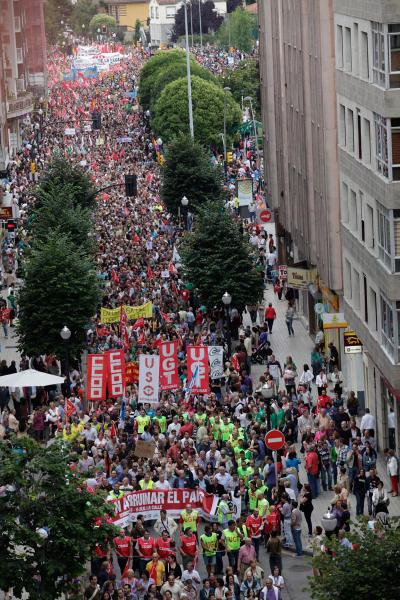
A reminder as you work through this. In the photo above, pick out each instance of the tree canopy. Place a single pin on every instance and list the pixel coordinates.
(54, 13)
(188, 171)
(210, 19)
(368, 569)
(239, 30)
(217, 259)
(244, 81)
(82, 13)
(151, 70)
(49, 521)
(102, 20)
(172, 113)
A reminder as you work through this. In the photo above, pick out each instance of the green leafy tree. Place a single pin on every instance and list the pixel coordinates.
(138, 26)
(61, 172)
(151, 70)
(174, 72)
(244, 81)
(188, 171)
(217, 259)
(210, 19)
(102, 20)
(369, 570)
(55, 12)
(82, 13)
(172, 112)
(239, 30)
(57, 214)
(48, 520)
(60, 288)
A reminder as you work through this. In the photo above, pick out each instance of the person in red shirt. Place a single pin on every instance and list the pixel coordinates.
(312, 468)
(323, 400)
(254, 525)
(272, 523)
(145, 546)
(270, 316)
(164, 546)
(123, 549)
(188, 546)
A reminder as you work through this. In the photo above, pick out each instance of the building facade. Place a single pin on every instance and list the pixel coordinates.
(367, 40)
(127, 12)
(297, 69)
(23, 75)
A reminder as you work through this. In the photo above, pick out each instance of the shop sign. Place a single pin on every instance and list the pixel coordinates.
(334, 321)
(300, 278)
(352, 344)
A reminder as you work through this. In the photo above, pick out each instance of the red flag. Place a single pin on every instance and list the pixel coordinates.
(150, 273)
(114, 276)
(123, 327)
(141, 339)
(113, 431)
(125, 571)
(166, 317)
(70, 408)
(138, 323)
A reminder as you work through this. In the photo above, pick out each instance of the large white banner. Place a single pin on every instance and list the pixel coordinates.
(216, 360)
(149, 378)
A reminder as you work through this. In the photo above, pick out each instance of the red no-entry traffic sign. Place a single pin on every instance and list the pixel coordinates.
(274, 439)
(265, 216)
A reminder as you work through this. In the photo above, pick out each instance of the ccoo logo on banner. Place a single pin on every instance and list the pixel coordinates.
(216, 360)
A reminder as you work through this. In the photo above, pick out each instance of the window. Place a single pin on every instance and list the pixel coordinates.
(365, 294)
(152, 12)
(394, 55)
(347, 279)
(342, 125)
(356, 289)
(345, 202)
(156, 12)
(350, 130)
(347, 50)
(362, 213)
(384, 243)
(170, 12)
(364, 55)
(359, 136)
(387, 328)
(373, 308)
(366, 140)
(353, 211)
(369, 227)
(379, 54)
(395, 163)
(381, 144)
(396, 237)
(339, 47)
(356, 50)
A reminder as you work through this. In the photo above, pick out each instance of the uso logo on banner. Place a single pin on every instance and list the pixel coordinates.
(149, 376)
(216, 360)
(116, 373)
(169, 379)
(96, 377)
(197, 356)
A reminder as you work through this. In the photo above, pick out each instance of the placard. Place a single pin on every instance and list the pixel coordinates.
(149, 378)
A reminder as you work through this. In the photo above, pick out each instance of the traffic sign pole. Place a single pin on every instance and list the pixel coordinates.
(275, 459)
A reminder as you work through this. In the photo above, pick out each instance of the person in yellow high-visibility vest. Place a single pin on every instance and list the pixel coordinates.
(189, 518)
(147, 483)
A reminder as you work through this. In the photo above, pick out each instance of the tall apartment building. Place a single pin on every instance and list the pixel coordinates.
(297, 67)
(23, 68)
(367, 38)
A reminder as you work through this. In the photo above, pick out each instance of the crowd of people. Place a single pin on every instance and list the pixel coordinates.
(215, 442)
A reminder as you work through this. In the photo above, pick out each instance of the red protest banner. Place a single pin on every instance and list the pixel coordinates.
(132, 372)
(96, 377)
(197, 358)
(169, 379)
(116, 373)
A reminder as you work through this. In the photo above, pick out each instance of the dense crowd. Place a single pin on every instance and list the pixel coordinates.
(214, 442)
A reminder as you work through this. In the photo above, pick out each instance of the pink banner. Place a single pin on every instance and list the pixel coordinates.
(169, 379)
(197, 362)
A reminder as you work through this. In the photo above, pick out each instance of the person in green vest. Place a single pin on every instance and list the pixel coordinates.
(226, 429)
(189, 518)
(146, 483)
(209, 544)
(252, 496)
(160, 420)
(263, 504)
(277, 417)
(142, 420)
(224, 511)
(232, 538)
(241, 526)
(245, 471)
(200, 417)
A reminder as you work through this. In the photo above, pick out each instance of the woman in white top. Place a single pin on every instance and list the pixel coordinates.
(380, 499)
(277, 578)
(306, 377)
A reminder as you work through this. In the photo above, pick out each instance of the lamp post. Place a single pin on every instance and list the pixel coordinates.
(65, 334)
(268, 393)
(200, 26)
(227, 299)
(226, 90)
(250, 100)
(188, 75)
(329, 522)
(184, 202)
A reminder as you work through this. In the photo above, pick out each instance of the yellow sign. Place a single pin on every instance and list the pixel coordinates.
(300, 278)
(334, 321)
(112, 315)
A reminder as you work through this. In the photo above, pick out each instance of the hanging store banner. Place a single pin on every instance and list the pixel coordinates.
(334, 321)
(115, 373)
(216, 360)
(96, 377)
(197, 358)
(112, 315)
(149, 503)
(149, 378)
(245, 191)
(300, 278)
(169, 378)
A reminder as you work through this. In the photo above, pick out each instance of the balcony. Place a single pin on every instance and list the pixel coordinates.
(17, 107)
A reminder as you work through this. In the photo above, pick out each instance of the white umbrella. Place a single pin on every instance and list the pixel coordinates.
(29, 378)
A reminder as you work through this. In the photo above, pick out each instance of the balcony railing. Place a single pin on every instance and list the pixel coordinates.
(20, 106)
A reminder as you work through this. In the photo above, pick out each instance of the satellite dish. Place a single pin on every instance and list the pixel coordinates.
(319, 308)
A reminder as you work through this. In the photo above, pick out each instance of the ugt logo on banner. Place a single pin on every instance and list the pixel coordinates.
(149, 376)
(197, 356)
(169, 379)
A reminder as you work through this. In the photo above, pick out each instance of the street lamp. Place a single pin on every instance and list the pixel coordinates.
(189, 80)
(267, 393)
(159, 142)
(227, 299)
(65, 334)
(184, 202)
(226, 90)
(250, 100)
(329, 522)
(200, 25)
